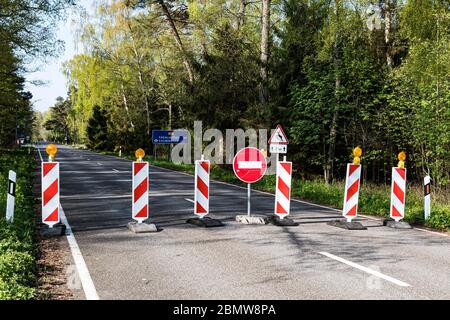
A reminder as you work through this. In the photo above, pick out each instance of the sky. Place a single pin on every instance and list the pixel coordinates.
(44, 96)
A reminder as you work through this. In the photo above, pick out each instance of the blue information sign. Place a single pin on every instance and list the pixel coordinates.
(169, 136)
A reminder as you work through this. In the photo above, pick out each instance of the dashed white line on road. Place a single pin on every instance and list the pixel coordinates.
(99, 163)
(115, 170)
(370, 271)
(86, 281)
(189, 200)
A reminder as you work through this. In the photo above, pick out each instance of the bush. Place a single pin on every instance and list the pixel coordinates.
(17, 251)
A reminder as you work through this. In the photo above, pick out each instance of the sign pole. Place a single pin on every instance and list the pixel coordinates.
(427, 191)
(249, 194)
(11, 196)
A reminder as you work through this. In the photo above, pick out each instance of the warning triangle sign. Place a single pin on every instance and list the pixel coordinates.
(278, 136)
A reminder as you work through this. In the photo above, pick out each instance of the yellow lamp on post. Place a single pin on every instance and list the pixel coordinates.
(357, 152)
(51, 150)
(401, 159)
(140, 153)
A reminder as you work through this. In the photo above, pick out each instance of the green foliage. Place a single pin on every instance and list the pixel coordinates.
(56, 121)
(97, 130)
(26, 33)
(17, 251)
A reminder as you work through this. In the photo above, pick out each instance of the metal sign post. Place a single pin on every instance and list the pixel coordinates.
(249, 198)
(249, 165)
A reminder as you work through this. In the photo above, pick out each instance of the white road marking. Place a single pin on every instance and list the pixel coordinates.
(93, 172)
(122, 196)
(86, 281)
(190, 200)
(432, 232)
(99, 163)
(115, 170)
(370, 271)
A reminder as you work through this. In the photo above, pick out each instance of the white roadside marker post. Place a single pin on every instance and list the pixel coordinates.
(427, 196)
(11, 196)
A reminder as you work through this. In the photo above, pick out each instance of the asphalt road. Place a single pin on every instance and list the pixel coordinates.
(310, 261)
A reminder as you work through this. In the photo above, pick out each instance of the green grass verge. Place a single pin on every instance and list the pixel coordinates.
(17, 249)
(373, 199)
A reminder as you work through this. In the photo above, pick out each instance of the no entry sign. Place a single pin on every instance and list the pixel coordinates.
(249, 165)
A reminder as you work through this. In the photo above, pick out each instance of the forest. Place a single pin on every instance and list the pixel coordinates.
(335, 73)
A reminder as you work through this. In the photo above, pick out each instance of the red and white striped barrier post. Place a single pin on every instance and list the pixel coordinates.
(140, 188)
(352, 183)
(398, 189)
(283, 188)
(50, 189)
(351, 194)
(201, 197)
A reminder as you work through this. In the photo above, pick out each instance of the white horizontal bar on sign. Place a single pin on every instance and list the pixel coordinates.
(250, 165)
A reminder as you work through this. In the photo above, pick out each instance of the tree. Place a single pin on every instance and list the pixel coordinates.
(56, 121)
(97, 130)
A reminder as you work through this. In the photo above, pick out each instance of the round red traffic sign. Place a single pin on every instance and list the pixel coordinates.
(249, 164)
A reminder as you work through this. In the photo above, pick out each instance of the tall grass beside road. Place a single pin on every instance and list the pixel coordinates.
(373, 199)
(17, 249)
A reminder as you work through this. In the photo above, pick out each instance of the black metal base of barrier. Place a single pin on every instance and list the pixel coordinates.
(285, 222)
(396, 224)
(344, 224)
(205, 222)
(58, 230)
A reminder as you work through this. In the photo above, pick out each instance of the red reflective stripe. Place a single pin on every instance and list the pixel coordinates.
(352, 190)
(51, 191)
(142, 213)
(287, 166)
(352, 168)
(48, 167)
(284, 189)
(395, 212)
(280, 209)
(205, 165)
(352, 211)
(401, 172)
(138, 166)
(141, 189)
(399, 193)
(199, 208)
(202, 187)
(54, 216)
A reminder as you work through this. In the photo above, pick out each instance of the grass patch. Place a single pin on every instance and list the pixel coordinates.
(17, 250)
